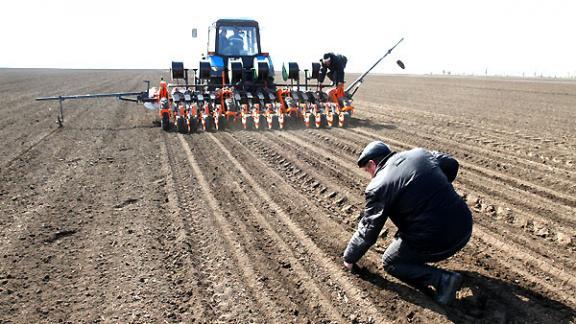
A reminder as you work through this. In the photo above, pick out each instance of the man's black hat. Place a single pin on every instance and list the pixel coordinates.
(374, 151)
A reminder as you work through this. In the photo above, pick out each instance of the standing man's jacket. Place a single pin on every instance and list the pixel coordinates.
(336, 67)
(414, 189)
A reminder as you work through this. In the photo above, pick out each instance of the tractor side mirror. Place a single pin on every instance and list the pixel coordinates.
(194, 32)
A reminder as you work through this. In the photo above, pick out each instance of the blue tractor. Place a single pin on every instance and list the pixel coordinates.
(235, 55)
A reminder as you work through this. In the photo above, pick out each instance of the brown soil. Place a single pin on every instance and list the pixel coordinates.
(109, 219)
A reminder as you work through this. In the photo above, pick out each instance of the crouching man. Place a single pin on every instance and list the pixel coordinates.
(414, 189)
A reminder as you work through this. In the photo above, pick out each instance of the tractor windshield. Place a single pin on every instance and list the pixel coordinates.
(237, 41)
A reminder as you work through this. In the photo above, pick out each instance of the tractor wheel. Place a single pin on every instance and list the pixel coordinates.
(165, 122)
(345, 120)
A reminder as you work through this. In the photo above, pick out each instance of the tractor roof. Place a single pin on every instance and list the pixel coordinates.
(236, 22)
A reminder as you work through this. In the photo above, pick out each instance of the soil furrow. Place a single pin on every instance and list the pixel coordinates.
(544, 266)
(523, 146)
(531, 210)
(264, 301)
(547, 174)
(267, 247)
(323, 261)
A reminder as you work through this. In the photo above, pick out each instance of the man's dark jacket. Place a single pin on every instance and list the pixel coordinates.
(336, 67)
(413, 188)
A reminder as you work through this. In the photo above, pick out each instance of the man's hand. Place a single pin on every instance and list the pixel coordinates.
(354, 269)
(349, 266)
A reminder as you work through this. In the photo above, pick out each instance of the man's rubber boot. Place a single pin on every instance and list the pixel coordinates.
(450, 282)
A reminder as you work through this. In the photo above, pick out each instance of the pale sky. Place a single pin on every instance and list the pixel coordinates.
(505, 37)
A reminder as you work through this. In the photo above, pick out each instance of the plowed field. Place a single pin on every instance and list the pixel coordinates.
(110, 219)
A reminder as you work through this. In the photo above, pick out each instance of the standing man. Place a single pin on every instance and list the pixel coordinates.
(333, 66)
(413, 188)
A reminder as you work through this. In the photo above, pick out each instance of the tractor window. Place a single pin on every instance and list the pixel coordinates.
(238, 40)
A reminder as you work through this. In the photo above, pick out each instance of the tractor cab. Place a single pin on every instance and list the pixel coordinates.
(237, 38)
(234, 53)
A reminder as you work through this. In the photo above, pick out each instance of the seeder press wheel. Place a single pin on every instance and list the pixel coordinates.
(273, 122)
(165, 122)
(345, 118)
(182, 125)
(193, 125)
(221, 123)
(208, 123)
(320, 121)
(248, 122)
(333, 119)
(260, 122)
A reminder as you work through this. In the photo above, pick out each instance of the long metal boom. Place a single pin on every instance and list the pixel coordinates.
(96, 95)
(356, 84)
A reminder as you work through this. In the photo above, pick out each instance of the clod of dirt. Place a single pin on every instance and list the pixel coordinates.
(346, 209)
(503, 212)
(285, 264)
(490, 210)
(410, 317)
(331, 195)
(541, 230)
(60, 234)
(563, 239)
(340, 201)
(127, 202)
